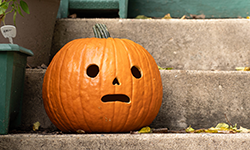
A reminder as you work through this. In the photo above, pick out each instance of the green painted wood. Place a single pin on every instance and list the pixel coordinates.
(91, 4)
(66, 5)
(178, 8)
(63, 9)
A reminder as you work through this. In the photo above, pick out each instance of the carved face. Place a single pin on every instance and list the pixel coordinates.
(102, 85)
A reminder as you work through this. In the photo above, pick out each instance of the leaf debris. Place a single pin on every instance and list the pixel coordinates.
(36, 126)
(160, 68)
(150, 130)
(220, 128)
(242, 68)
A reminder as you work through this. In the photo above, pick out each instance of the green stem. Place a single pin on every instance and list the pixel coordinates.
(101, 31)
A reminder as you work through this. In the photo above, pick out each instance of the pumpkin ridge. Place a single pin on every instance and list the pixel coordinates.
(58, 57)
(152, 90)
(49, 105)
(104, 48)
(114, 47)
(138, 52)
(60, 93)
(52, 67)
(82, 54)
(104, 72)
(120, 51)
(129, 113)
(75, 115)
(144, 79)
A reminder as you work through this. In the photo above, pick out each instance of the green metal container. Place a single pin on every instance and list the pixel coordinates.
(13, 59)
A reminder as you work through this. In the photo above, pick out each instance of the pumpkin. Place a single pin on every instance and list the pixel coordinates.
(102, 85)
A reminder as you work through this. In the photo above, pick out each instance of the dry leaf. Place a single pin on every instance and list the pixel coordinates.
(244, 130)
(145, 130)
(160, 68)
(142, 17)
(189, 129)
(220, 128)
(36, 126)
(80, 131)
(73, 16)
(242, 68)
(183, 17)
(167, 16)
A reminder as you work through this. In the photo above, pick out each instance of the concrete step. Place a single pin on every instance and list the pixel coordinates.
(218, 44)
(197, 98)
(125, 141)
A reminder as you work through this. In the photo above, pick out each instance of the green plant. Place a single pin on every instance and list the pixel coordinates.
(15, 7)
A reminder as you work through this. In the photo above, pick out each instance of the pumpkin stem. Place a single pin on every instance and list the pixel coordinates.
(101, 31)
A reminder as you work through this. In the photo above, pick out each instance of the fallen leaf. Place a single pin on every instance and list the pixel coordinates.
(167, 16)
(183, 17)
(36, 126)
(222, 125)
(189, 129)
(211, 130)
(244, 130)
(142, 17)
(80, 131)
(199, 131)
(73, 16)
(220, 128)
(242, 68)
(145, 130)
(160, 68)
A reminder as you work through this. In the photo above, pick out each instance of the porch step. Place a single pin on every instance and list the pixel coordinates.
(197, 98)
(192, 93)
(215, 44)
(125, 141)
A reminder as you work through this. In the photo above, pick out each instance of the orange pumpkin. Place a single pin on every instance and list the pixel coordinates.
(102, 85)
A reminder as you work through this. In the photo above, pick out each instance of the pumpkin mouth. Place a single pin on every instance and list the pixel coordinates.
(116, 97)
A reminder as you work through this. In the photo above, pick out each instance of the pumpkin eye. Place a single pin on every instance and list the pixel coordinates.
(136, 72)
(92, 70)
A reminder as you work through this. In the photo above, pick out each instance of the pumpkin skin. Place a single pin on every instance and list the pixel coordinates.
(73, 99)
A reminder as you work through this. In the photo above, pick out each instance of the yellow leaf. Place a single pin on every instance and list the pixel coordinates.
(36, 126)
(189, 129)
(211, 130)
(222, 125)
(234, 127)
(145, 130)
(246, 69)
(244, 130)
(160, 68)
(199, 131)
(183, 17)
(167, 16)
(142, 17)
(242, 68)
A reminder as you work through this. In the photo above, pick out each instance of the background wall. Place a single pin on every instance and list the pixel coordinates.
(35, 31)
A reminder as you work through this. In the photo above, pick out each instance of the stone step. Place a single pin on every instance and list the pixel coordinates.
(125, 141)
(201, 99)
(215, 44)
